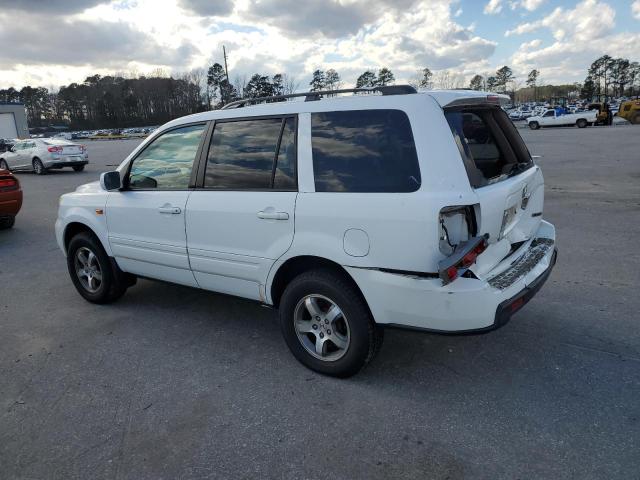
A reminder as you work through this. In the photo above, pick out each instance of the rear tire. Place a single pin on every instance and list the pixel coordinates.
(343, 326)
(3, 165)
(78, 168)
(582, 123)
(534, 125)
(38, 167)
(92, 272)
(636, 119)
(7, 222)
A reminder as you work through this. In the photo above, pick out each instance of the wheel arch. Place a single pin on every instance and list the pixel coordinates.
(294, 266)
(77, 223)
(73, 229)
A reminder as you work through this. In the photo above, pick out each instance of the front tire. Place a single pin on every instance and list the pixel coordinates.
(38, 167)
(534, 125)
(7, 222)
(92, 272)
(327, 324)
(78, 168)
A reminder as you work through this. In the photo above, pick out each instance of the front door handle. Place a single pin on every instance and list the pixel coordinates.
(170, 209)
(269, 214)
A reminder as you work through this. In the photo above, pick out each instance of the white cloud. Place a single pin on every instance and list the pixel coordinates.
(531, 45)
(635, 9)
(531, 5)
(405, 35)
(589, 20)
(581, 35)
(493, 7)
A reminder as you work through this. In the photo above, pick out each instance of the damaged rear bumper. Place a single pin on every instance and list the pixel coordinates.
(468, 304)
(515, 303)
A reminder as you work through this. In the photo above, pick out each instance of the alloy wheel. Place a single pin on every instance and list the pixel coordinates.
(321, 327)
(88, 269)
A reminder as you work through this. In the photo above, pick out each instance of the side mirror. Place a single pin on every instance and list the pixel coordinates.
(110, 181)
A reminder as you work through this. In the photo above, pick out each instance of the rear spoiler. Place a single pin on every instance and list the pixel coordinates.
(491, 99)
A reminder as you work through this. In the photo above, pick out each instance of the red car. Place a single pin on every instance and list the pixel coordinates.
(10, 199)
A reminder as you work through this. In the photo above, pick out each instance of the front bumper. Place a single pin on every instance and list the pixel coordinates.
(465, 305)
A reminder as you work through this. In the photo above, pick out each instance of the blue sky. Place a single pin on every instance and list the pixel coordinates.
(454, 38)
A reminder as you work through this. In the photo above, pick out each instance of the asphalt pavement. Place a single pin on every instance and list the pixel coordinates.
(172, 382)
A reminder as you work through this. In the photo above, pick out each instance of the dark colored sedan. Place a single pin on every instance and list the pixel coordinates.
(10, 199)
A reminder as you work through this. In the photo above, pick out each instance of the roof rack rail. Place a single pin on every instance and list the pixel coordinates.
(311, 96)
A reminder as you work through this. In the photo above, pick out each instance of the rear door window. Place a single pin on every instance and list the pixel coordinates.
(364, 151)
(491, 147)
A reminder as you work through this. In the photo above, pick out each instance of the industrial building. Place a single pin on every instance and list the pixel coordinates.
(13, 121)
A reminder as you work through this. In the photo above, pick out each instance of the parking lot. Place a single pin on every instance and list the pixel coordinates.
(172, 382)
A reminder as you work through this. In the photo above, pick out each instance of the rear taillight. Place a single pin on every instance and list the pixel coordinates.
(54, 149)
(8, 183)
(83, 148)
(457, 224)
(462, 258)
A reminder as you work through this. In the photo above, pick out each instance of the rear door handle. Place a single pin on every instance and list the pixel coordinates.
(170, 209)
(272, 215)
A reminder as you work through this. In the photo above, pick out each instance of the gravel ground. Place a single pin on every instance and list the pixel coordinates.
(172, 382)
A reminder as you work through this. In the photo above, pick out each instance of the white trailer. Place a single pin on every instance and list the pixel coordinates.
(13, 121)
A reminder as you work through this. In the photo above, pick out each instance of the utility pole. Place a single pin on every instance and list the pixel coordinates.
(226, 70)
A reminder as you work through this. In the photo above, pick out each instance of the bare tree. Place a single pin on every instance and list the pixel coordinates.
(290, 84)
(446, 80)
(240, 84)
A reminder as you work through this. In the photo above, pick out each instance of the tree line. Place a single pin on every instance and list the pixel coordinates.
(127, 101)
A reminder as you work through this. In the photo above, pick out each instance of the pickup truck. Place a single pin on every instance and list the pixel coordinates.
(551, 118)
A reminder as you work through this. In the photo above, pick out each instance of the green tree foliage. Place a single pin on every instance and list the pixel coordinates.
(503, 76)
(318, 81)
(492, 83)
(426, 77)
(532, 78)
(277, 84)
(216, 79)
(258, 86)
(476, 82)
(332, 79)
(385, 77)
(367, 79)
(588, 89)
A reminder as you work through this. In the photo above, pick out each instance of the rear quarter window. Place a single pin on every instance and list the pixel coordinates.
(364, 151)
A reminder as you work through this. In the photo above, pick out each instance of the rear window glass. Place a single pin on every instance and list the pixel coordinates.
(490, 145)
(364, 151)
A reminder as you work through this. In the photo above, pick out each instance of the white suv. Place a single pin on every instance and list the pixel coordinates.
(348, 214)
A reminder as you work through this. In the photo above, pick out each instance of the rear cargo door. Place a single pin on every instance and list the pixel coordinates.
(509, 186)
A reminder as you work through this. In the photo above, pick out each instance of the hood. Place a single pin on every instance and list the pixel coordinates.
(93, 187)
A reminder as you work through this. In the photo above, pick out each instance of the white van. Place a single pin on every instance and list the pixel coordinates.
(346, 213)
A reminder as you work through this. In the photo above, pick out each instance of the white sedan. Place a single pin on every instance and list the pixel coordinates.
(41, 154)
